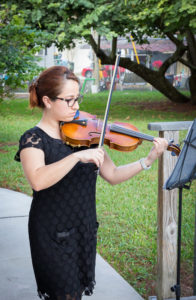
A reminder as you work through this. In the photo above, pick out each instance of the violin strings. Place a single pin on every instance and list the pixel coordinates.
(129, 132)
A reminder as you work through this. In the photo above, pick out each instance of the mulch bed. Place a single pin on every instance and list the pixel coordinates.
(165, 106)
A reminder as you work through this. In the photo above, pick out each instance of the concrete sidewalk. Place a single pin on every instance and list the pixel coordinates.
(16, 274)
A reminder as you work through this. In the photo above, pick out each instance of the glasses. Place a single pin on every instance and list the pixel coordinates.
(71, 102)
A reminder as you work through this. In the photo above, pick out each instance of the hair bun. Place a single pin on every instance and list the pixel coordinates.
(33, 94)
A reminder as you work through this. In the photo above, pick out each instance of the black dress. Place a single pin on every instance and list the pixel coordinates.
(62, 224)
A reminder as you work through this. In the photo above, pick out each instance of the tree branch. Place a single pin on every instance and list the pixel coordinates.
(114, 46)
(93, 44)
(105, 59)
(186, 63)
(174, 39)
(172, 59)
(191, 45)
(99, 43)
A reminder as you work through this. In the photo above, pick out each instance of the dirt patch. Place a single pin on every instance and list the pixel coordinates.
(6, 144)
(165, 106)
(186, 284)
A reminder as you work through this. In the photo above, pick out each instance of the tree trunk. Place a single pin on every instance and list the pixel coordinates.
(156, 79)
(191, 42)
(192, 87)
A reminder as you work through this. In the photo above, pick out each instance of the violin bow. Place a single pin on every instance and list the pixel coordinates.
(102, 136)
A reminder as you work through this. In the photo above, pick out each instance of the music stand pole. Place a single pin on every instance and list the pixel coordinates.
(176, 288)
(194, 270)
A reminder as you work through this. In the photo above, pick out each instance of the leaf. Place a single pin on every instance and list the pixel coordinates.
(61, 36)
(36, 15)
(54, 5)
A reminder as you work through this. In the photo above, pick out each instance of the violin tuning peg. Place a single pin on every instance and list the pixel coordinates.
(171, 142)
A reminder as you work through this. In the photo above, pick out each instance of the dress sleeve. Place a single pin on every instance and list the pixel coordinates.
(29, 139)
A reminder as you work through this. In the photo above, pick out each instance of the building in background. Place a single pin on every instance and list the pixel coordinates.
(47, 57)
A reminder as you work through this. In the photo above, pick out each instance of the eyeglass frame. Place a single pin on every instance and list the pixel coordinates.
(79, 99)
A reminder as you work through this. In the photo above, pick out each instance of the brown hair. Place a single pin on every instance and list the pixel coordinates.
(49, 83)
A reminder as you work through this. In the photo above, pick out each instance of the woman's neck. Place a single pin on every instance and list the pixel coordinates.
(50, 126)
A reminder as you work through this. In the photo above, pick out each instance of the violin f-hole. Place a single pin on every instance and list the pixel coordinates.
(93, 132)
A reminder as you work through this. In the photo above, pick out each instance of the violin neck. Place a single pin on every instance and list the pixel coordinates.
(132, 133)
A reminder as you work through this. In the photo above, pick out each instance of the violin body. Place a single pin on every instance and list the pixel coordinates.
(86, 129)
(77, 135)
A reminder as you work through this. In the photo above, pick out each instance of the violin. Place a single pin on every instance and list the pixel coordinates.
(86, 129)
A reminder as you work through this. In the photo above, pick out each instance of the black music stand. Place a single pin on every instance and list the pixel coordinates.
(182, 176)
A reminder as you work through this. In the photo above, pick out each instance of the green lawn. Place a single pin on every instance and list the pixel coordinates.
(126, 212)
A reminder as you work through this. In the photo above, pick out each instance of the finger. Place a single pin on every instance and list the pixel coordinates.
(95, 161)
(158, 141)
(166, 143)
(159, 148)
(101, 151)
(156, 144)
(101, 160)
(156, 150)
(162, 141)
(101, 157)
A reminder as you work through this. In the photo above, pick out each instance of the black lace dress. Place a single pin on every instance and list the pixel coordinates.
(62, 224)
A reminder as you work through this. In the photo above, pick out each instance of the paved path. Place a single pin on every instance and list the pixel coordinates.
(16, 275)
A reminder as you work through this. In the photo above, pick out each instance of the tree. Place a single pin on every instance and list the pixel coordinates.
(70, 20)
(18, 45)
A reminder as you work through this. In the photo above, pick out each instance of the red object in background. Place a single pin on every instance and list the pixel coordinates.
(87, 72)
(157, 64)
(107, 69)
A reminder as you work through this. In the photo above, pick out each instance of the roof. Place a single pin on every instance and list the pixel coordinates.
(160, 45)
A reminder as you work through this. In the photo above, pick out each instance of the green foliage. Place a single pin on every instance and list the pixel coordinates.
(68, 21)
(157, 18)
(18, 46)
(110, 18)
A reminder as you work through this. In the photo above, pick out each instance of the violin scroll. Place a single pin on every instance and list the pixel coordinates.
(175, 149)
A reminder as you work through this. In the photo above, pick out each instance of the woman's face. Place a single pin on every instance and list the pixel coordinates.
(61, 110)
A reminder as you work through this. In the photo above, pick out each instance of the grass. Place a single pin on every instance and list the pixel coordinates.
(127, 212)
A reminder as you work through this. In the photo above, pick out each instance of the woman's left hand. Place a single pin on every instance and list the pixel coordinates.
(160, 145)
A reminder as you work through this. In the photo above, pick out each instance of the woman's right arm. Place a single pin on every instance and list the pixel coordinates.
(41, 176)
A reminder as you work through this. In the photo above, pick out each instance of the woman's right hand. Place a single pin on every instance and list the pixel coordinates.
(95, 156)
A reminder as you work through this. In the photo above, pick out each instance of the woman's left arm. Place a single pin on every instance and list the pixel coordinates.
(114, 175)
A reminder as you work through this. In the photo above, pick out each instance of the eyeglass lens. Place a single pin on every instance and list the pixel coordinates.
(71, 102)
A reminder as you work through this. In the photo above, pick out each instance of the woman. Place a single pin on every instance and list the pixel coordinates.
(62, 219)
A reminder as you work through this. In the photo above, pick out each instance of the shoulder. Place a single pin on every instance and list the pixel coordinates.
(30, 138)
